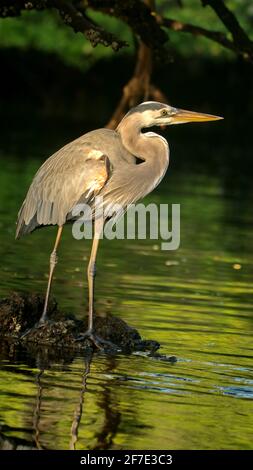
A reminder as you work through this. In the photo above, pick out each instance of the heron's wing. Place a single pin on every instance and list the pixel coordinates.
(76, 172)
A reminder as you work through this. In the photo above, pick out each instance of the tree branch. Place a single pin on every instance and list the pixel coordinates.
(141, 18)
(242, 42)
(145, 23)
(70, 15)
(216, 36)
(137, 88)
(80, 23)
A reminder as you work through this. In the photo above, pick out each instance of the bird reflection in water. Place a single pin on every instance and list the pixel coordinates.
(112, 417)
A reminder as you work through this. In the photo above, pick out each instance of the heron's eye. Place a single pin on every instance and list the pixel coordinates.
(164, 112)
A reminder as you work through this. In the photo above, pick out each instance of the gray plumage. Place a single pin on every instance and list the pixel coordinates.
(68, 176)
(103, 162)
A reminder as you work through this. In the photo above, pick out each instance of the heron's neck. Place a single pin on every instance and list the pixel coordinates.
(150, 147)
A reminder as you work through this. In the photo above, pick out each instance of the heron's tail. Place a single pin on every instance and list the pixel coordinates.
(20, 222)
(22, 228)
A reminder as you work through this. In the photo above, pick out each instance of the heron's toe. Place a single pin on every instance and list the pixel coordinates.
(99, 343)
(36, 327)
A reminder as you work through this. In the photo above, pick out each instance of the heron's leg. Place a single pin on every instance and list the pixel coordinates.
(91, 272)
(100, 343)
(53, 262)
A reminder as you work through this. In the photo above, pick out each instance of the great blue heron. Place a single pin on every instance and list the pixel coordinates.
(102, 162)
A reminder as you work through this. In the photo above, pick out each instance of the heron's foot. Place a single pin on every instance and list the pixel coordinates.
(36, 327)
(100, 343)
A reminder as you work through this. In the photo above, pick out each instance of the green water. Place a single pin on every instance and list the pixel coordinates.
(193, 301)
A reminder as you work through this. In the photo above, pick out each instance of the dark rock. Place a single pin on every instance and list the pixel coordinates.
(20, 312)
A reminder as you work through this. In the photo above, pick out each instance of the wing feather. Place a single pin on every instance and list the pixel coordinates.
(74, 172)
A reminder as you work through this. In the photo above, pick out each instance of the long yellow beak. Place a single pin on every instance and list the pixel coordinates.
(182, 116)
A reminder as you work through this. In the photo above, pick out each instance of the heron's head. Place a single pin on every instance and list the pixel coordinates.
(152, 113)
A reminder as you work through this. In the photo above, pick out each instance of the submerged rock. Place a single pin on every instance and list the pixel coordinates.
(20, 312)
